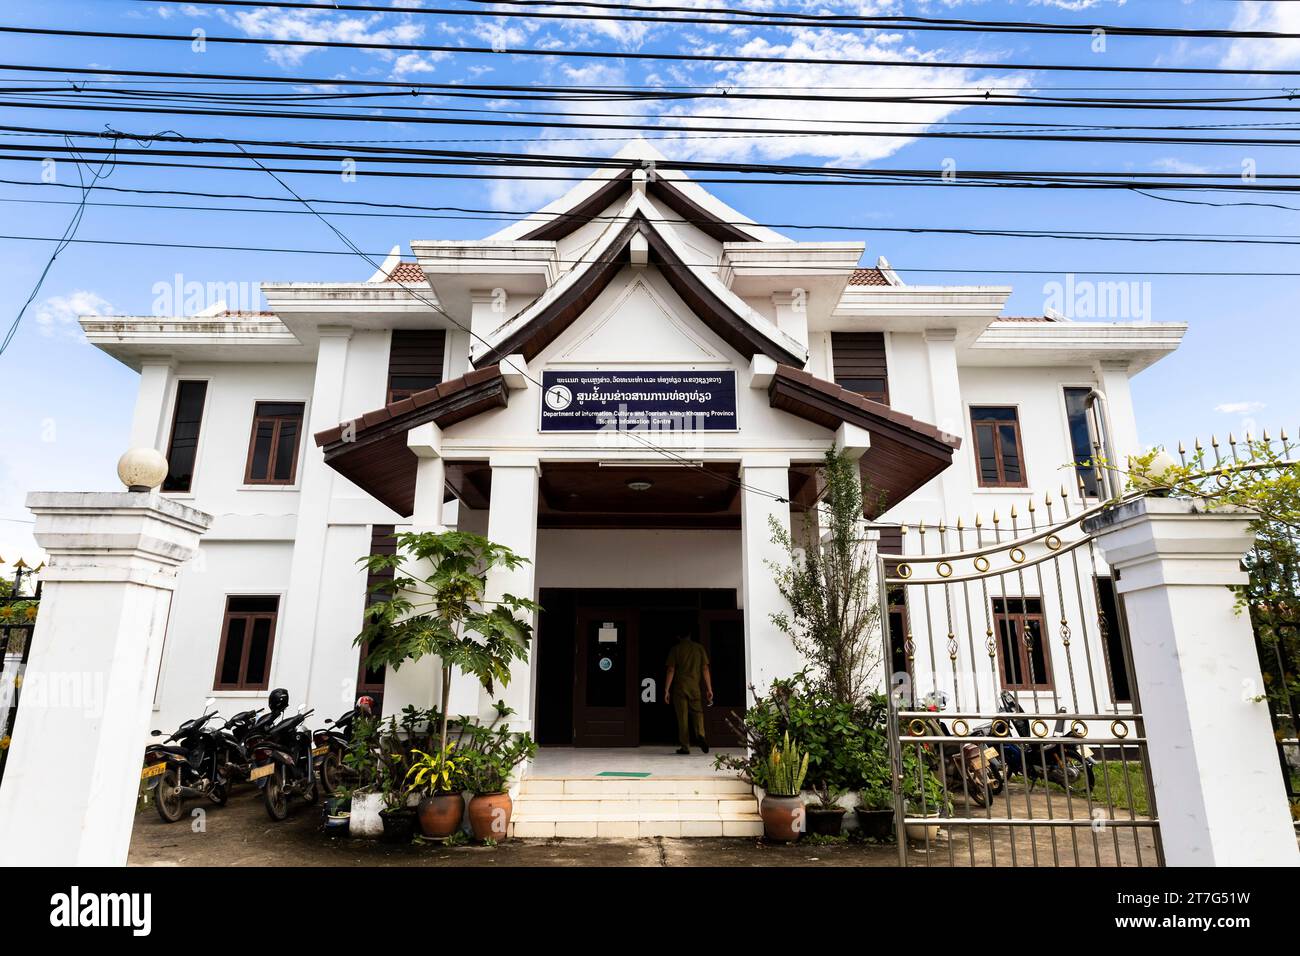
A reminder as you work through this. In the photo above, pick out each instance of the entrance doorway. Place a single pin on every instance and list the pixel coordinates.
(601, 656)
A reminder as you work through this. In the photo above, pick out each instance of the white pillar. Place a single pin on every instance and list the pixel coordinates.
(147, 422)
(291, 666)
(949, 415)
(70, 785)
(512, 521)
(1219, 790)
(416, 683)
(769, 652)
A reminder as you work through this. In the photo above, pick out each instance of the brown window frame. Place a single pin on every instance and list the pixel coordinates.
(1009, 615)
(858, 358)
(249, 617)
(272, 459)
(996, 423)
(170, 484)
(402, 344)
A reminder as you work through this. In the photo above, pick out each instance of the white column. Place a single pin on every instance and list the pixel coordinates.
(769, 652)
(147, 422)
(70, 785)
(291, 666)
(791, 310)
(1218, 786)
(512, 521)
(949, 414)
(416, 683)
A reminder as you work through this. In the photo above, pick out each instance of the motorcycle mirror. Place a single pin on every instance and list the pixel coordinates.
(155, 733)
(301, 708)
(329, 720)
(209, 702)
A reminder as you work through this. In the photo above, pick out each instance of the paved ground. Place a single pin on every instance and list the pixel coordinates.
(241, 834)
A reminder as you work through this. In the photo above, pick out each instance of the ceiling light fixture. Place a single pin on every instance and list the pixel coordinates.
(640, 484)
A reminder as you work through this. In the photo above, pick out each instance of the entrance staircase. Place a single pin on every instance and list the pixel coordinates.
(623, 807)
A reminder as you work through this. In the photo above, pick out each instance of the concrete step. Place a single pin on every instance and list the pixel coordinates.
(635, 808)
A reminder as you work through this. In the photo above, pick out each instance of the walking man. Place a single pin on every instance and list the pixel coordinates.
(688, 666)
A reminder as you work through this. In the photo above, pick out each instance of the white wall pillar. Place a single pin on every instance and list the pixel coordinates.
(151, 408)
(1113, 381)
(417, 683)
(512, 521)
(792, 314)
(769, 652)
(294, 654)
(1219, 790)
(69, 791)
(949, 415)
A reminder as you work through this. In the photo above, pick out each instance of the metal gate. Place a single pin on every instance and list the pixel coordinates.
(1018, 737)
(17, 623)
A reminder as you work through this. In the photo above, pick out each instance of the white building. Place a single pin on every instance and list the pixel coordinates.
(312, 431)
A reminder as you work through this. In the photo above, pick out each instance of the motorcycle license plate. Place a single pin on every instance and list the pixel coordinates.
(320, 751)
(154, 770)
(990, 752)
(260, 772)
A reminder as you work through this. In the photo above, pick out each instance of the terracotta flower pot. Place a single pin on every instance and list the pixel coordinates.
(489, 815)
(783, 818)
(440, 815)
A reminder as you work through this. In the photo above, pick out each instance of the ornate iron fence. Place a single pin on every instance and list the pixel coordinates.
(1019, 737)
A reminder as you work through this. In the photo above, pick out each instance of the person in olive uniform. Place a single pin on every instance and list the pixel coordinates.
(688, 666)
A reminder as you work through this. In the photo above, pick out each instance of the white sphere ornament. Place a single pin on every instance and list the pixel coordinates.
(1158, 473)
(142, 469)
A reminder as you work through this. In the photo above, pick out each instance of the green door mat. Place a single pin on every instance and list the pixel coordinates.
(622, 773)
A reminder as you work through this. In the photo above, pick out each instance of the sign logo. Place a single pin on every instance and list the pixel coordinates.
(671, 400)
(558, 398)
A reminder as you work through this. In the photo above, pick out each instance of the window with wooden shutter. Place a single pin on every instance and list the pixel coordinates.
(273, 447)
(858, 360)
(247, 638)
(999, 456)
(415, 361)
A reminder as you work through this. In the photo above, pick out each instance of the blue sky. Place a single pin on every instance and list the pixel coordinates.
(67, 407)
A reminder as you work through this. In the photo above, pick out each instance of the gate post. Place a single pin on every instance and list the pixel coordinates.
(69, 791)
(1214, 764)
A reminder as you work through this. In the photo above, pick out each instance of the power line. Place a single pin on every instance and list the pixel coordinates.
(955, 270)
(487, 215)
(721, 16)
(669, 57)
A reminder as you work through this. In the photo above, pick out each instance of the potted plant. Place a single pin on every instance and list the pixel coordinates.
(437, 777)
(362, 760)
(338, 809)
(489, 760)
(924, 796)
(398, 816)
(436, 604)
(875, 811)
(825, 815)
(782, 774)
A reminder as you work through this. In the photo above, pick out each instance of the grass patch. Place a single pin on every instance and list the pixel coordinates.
(1124, 779)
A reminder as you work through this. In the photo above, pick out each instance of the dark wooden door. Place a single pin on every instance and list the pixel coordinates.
(723, 635)
(605, 700)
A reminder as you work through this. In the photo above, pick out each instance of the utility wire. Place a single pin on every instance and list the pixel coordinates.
(667, 57)
(722, 16)
(955, 270)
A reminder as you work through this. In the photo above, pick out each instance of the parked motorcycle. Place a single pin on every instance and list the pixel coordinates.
(234, 737)
(189, 763)
(335, 740)
(968, 766)
(1069, 766)
(284, 765)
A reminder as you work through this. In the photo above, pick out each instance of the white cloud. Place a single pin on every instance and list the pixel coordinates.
(1170, 164)
(269, 23)
(57, 316)
(1259, 54)
(1238, 408)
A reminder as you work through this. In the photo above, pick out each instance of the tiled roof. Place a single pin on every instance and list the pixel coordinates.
(406, 272)
(868, 277)
(393, 410)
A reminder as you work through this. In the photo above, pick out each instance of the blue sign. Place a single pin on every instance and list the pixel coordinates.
(588, 401)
